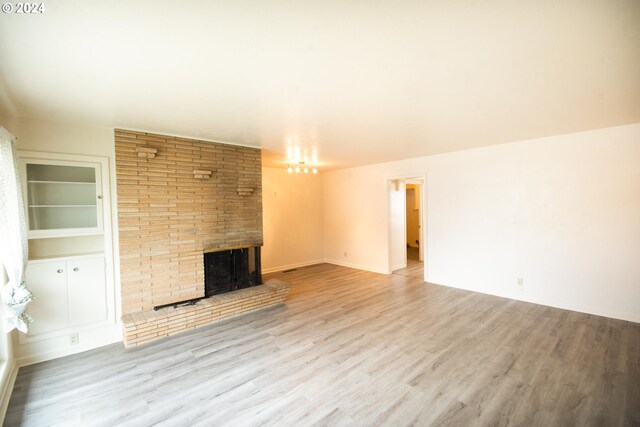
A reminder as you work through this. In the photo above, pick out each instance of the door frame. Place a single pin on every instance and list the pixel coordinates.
(423, 215)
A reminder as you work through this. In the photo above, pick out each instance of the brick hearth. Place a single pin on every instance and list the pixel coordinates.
(147, 326)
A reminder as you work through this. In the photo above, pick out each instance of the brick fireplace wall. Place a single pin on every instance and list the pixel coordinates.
(168, 214)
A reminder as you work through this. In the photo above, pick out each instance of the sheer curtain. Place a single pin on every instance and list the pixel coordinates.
(13, 238)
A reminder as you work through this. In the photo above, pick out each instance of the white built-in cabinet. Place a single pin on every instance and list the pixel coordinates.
(70, 265)
(70, 292)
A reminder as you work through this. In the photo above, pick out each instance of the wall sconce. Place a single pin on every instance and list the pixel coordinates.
(200, 174)
(245, 191)
(146, 152)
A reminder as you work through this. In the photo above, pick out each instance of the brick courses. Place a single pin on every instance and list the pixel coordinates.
(167, 217)
(144, 327)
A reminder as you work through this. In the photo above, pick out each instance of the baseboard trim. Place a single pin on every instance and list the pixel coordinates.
(8, 383)
(290, 266)
(326, 261)
(357, 266)
(55, 354)
(55, 348)
(398, 267)
(560, 305)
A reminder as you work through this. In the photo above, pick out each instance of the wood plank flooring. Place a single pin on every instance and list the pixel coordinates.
(355, 348)
(413, 269)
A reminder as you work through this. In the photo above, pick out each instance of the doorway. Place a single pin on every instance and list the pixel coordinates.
(406, 231)
(413, 211)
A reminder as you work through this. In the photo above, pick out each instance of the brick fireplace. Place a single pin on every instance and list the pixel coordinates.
(178, 197)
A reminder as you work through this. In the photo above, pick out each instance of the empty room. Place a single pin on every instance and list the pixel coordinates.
(279, 213)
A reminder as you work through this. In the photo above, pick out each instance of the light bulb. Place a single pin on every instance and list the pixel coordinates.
(297, 169)
(314, 170)
(306, 170)
(290, 169)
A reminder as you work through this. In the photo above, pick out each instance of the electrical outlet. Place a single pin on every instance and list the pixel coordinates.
(73, 339)
(520, 281)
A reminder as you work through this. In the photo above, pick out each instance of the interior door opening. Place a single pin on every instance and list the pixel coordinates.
(406, 231)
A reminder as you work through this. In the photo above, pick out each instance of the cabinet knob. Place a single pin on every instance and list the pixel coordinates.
(76, 269)
(99, 197)
(60, 270)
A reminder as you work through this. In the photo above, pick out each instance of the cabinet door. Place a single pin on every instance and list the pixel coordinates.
(87, 291)
(50, 308)
(63, 198)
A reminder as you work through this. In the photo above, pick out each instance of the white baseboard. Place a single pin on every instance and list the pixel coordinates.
(583, 309)
(327, 261)
(9, 379)
(290, 266)
(40, 351)
(398, 267)
(357, 266)
(629, 317)
(55, 354)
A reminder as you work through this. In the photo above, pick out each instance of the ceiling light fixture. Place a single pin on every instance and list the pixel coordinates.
(301, 166)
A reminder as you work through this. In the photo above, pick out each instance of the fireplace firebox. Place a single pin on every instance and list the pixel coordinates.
(227, 270)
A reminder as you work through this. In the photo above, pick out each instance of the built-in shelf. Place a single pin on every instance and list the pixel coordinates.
(62, 206)
(63, 198)
(61, 182)
(66, 256)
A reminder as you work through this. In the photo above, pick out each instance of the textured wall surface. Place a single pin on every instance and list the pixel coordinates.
(167, 215)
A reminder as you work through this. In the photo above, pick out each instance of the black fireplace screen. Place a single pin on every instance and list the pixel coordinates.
(229, 270)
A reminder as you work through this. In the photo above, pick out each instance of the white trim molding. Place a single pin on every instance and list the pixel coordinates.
(9, 374)
(290, 266)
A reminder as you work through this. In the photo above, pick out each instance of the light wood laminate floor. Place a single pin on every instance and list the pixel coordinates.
(355, 348)
(413, 269)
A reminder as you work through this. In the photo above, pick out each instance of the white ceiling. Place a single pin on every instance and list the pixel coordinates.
(361, 81)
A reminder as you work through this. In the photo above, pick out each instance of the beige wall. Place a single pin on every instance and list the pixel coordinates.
(561, 212)
(292, 219)
(41, 135)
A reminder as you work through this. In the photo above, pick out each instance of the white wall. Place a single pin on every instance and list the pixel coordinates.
(561, 212)
(292, 218)
(397, 224)
(38, 135)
